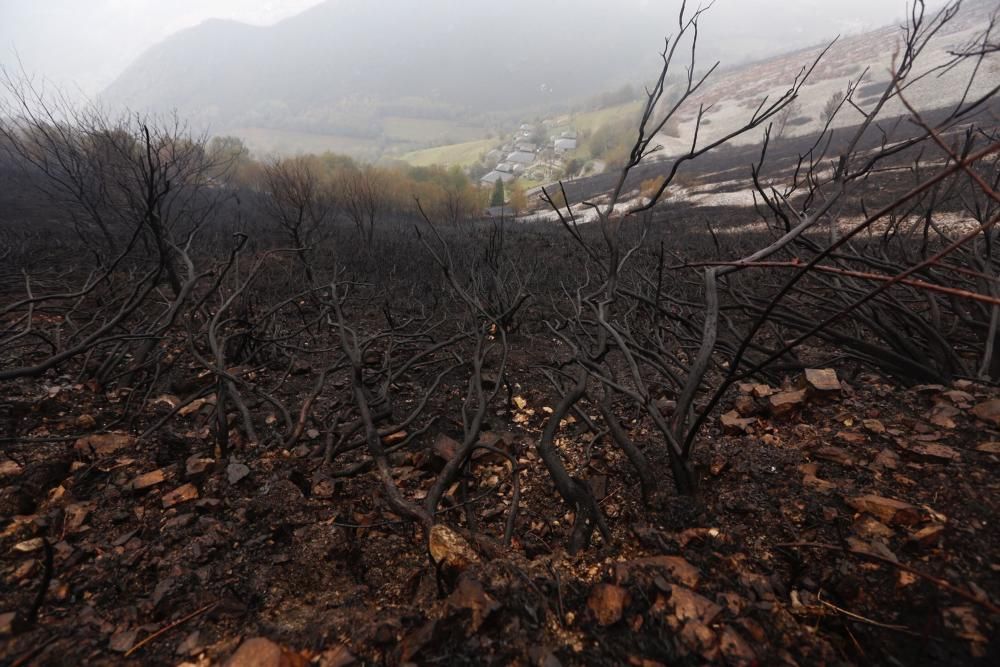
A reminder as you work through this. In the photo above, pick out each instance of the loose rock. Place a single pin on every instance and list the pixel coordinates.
(103, 444)
(260, 652)
(235, 472)
(733, 423)
(786, 402)
(607, 603)
(148, 480)
(180, 495)
(989, 411)
(820, 380)
(890, 511)
(449, 549)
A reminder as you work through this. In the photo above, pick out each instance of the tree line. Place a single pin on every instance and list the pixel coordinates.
(317, 187)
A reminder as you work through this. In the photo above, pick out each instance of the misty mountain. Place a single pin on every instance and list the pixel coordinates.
(342, 66)
(339, 62)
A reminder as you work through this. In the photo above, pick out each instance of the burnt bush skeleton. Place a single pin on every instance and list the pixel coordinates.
(191, 285)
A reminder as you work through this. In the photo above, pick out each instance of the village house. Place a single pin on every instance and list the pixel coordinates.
(521, 157)
(564, 145)
(494, 176)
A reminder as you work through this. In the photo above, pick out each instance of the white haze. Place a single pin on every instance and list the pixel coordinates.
(82, 45)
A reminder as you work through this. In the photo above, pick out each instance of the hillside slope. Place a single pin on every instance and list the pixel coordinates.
(341, 69)
(324, 71)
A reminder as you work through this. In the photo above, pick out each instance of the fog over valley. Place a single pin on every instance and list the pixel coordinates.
(366, 77)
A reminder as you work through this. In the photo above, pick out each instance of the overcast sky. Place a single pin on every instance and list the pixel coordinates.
(85, 44)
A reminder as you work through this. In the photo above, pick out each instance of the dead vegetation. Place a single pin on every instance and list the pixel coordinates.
(232, 414)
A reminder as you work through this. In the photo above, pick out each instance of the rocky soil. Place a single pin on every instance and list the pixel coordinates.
(839, 522)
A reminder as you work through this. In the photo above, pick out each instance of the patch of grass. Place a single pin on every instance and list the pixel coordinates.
(427, 130)
(402, 135)
(265, 141)
(528, 183)
(453, 154)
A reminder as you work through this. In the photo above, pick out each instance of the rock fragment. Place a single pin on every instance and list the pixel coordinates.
(180, 495)
(820, 380)
(786, 402)
(988, 412)
(103, 444)
(888, 510)
(235, 472)
(607, 603)
(450, 550)
(261, 652)
(148, 480)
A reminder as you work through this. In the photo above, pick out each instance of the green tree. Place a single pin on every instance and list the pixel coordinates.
(498, 197)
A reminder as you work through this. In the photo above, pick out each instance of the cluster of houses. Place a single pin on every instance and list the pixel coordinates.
(517, 156)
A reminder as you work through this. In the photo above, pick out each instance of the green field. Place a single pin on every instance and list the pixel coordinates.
(403, 135)
(468, 152)
(267, 141)
(426, 131)
(462, 154)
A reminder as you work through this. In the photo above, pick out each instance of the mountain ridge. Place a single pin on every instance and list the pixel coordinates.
(341, 69)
